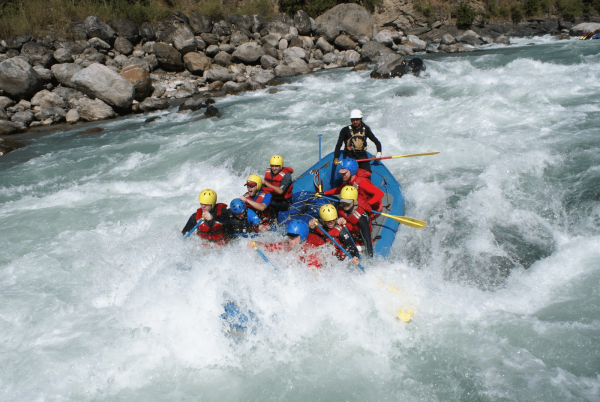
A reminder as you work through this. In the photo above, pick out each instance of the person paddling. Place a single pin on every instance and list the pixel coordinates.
(354, 138)
(243, 221)
(356, 213)
(214, 216)
(257, 200)
(278, 182)
(366, 189)
(298, 239)
(334, 227)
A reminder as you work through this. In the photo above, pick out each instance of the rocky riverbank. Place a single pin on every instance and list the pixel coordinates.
(117, 67)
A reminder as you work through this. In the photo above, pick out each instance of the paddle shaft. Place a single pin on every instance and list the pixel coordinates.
(194, 228)
(412, 222)
(264, 257)
(338, 244)
(396, 157)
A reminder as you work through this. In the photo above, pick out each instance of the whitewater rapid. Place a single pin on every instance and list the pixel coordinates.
(102, 300)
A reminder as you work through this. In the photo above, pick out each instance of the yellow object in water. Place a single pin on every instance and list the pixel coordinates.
(404, 315)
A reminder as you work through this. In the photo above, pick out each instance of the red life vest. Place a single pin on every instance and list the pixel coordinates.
(263, 215)
(335, 233)
(216, 232)
(304, 254)
(276, 181)
(353, 217)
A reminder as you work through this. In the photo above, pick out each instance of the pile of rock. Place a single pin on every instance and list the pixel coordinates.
(117, 68)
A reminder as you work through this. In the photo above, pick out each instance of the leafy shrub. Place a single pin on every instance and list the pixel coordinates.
(516, 14)
(570, 8)
(503, 12)
(290, 6)
(426, 10)
(531, 7)
(492, 8)
(465, 15)
(546, 6)
(318, 7)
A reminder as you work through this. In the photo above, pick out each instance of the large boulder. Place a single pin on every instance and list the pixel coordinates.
(23, 118)
(196, 63)
(238, 37)
(139, 77)
(8, 127)
(272, 39)
(123, 46)
(56, 114)
(248, 53)
(349, 58)
(37, 54)
(201, 23)
(324, 46)
(168, 57)
(183, 39)
(66, 51)
(95, 27)
(350, 18)
(68, 94)
(126, 29)
(152, 104)
(372, 50)
(388, 66)
(64, 73)
(5, 102)
(92, 110)
(45, 99)
(258, 23)
(98, 81)
(302, 22)
(217, 73)
(243, 22)
(344, 42)
(384, 37)
(147, 32)
(579, 29)
(18, 78)
(327, 31)
(16, 42)
(44, 73)
(195, 103)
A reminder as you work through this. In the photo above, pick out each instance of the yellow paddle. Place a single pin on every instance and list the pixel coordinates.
(412, 222)
(397, 156)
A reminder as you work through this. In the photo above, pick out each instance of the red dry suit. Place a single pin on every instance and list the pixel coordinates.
(366, 189)
(305, 254)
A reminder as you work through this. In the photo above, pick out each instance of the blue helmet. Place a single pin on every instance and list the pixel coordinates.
(351, 165)
(298, 227)
(237, 206)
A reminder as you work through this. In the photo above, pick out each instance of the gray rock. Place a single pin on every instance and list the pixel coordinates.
(152, 104)
(415, 43)
(295, 52)
(37, 54)
(579, 29)
(283, 44)
(44, 73)
(217, 73)
(212, 50)
(195, 103)
(92, 110)
(271, 51)
(448, 39)
(262, 77)
(18, 78)
(6, 102)
(210, 38)
(66, 51)
(324, 46)
(330, 58)
(226, 47)
(372, 50)
(178, 16)
(350, 18)
(248, 53)
(68, 94)
(237, 38)
(284, 71)
(126, 29)
(344, 42)
(272, 39)
(8, 127)
(302, 22)
(222, 59)
(196, 63)
(23, 118)
(159, 91)
(95, 27)
(349, 58)
(503, 40)
(98, 81)
(267, 61)
(232, 87)
(168, 57)
(201, 23)
(258, 23)
(47, 99)
(139, 77)
(327, 31)
(134, 61)
(184, 40)
(98, 44)
(406, 50)
(384, 37)
(388, 66)
(123, 46)
(241, 21)
(280, 27)
(147, 32)
(16, 42)
(3, 115)
(56, 114)
(299, 66)
(72, 116)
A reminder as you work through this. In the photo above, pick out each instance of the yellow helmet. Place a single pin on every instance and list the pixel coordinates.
(254, 178)
(327, 213)
(208, 197)
(276, 160)
(349, 193)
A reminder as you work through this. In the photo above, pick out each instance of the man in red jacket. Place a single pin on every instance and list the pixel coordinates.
(334, 227)
(366, 189)
(356, 212)
(298, 239)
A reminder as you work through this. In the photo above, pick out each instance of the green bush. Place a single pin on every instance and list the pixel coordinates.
(318, 7)
(492, 8)
(516, 14)
(465, 15)
(546, 5)
(570, 8)
(503, 12)
(531, 7)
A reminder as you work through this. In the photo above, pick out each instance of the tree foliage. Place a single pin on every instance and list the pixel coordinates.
(465, 15)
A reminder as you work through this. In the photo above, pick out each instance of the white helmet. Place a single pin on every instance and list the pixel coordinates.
(356, 114)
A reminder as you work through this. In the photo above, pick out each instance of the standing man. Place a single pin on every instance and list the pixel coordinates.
(278, 182)
(354, 137)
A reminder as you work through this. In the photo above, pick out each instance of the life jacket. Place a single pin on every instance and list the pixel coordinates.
(335, 233)
(216, 232)
(352, 218)
(237, 226)
(276, 181)
(358, 138)
(263, 215)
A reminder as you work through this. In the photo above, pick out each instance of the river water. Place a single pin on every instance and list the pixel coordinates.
(102, 300)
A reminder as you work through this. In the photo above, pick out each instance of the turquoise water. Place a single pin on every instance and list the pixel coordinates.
(102, 300)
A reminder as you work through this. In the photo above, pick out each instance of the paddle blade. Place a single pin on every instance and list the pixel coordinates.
(409, 156)
(412, 222)
(404, 315)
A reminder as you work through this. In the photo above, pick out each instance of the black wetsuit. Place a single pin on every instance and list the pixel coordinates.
(345, 134)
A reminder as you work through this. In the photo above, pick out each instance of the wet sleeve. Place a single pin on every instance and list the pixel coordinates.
(376, 194)
(267, 199)
(338, 146)
(372, 137)
(252, 218)
(190, 224)
(348, 243)
(286, 182)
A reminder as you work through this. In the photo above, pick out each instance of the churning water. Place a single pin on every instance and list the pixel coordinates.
(102, 300)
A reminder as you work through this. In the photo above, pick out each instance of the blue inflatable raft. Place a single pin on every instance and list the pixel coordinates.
(305, 206)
